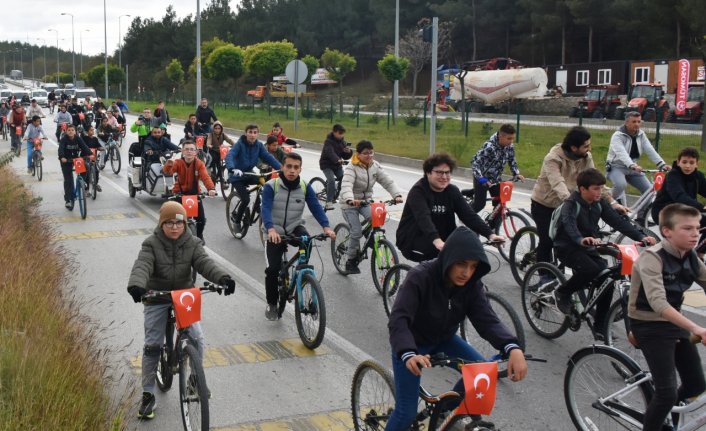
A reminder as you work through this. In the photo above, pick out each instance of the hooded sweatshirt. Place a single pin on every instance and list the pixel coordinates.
(681, 188)
(621, 153)
(244, 156)
(428, 312)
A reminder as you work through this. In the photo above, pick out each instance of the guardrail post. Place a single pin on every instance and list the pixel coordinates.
(286, 106)
(389, 108)
(468, 114)
(660, 111)
(425, 117)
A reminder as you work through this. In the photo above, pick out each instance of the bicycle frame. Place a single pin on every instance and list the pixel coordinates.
(301, 259)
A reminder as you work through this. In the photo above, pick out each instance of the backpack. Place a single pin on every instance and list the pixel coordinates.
(302, 184)
(556, 215)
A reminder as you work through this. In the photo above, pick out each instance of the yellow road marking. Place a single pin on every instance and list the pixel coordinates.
(118, 216)
(104, 234)
(332, 421)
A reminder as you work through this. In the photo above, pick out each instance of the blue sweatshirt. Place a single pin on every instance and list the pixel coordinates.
(244, 156)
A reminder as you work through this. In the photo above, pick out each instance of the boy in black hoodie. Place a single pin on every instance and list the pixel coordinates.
(435, 298)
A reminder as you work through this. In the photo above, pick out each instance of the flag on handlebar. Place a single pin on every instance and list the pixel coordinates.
(480, 382)
(199, 142)
(187, 306)
(191, 204)
(505, 191)
(79, 165)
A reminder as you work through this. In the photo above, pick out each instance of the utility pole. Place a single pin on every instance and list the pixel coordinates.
(80, 38)
(73, 48)
(57, 54)
(396, 87)
(105, 37)
(434, 50)
(44, 41)
(198, 52)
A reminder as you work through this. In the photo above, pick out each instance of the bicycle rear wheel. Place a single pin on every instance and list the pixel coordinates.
(538, 301)
(381, 260)
(443, 409)
(390, 286)
(318, 185)
(339, 247)
(193, 392)
(81, 196)
(310, 311)
(523, 252)
(511, 224)
(508, 316)
(224, 184)
(115, 160)
(593, 375)
(372, 396)
(617, 328)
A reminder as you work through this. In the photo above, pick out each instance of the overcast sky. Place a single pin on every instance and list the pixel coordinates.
(33, 18)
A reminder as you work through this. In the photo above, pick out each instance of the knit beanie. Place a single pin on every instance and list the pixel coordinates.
(171, 210)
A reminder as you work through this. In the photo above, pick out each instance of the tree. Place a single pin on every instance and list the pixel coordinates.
(175, 72)
(267, 59)
(206, 49)
(312, 63)
(226, 62)
(393, 69)
(338, 64)
(95, 77)
(418, 52)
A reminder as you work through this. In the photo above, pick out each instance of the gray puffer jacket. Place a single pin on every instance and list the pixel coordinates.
(358, 181)
(165, 264)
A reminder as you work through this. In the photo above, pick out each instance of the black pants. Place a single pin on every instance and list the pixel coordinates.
(542, 216)
(215, 164)
(420, 250)
(480, 194)
(200, 220)
(67, 170)
(586, 266)
(242, 188)
(273, 253)
(666, 348)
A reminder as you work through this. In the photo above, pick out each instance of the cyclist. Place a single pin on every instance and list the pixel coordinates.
(204, 115)
(4, 111)
(190, 171)
(61, 117)
(92, 141)
(17, 118)
(75, 109)
(164, 263)
(334, 152)
(99, 110)
(659, 279)
(117, 113)
(161, 115)
(51, 98)
(34, 130)
(122, 105)
(105, 131)
(243, 157)
(577, 231)
(435, 298)
(429, 215)
(281, 137)
(192, 128)
(142, 125)
(627, 144)
(556, 181)
(215, 140)
(283, 201)
(154, 149)
(357, 185)
(112, 121)
(35, 110)
(488, 164)
(277, 152)
(71, 146)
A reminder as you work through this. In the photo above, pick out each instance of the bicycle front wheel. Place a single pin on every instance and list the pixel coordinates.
(193, 392)
(164, 376)
(443, 409)
(115, 160)
(392, 283)
(339, 247)
(617, 330)
(372, 396)
(232, 207)
(523, 252)
(93, 180)
(593, 377)
(318, 185)
(539, 303)
(81, 196)
(511, 224)
(383, 258)
(37, 165)
(509, 317)
(310, 311)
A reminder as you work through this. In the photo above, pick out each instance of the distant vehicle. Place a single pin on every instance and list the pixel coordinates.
(40, 95)
(16, 74)
(4, 95)
(82, 93)
(19, 94)
(645, 98)
(694, 105)
(600, 101)
(49, 86)
(68, 85)
(69, 92)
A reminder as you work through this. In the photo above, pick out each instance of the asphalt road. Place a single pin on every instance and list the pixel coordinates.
(260, 375)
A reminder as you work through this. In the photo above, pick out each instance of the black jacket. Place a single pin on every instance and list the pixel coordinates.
(72, 148)
(204, 115)
(681, 188)
(158, 147)
(195, 131)
(74, 110)
(332, 152)
(427, 312)
(574, 227)
(432, 215)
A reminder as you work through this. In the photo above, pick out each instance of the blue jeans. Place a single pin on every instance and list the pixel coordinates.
(30, 150)
(407, 384)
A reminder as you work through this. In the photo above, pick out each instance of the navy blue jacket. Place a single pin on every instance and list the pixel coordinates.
(244, 156)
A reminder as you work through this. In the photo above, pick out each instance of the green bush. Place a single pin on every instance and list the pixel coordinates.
(412, 119)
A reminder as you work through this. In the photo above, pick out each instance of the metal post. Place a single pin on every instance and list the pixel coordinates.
(198, 52)
(331, 109)
(120, 48)
(580, 115)
(127, 83)
(703, 133)
(73, 45)
(468, 114)
(659, 122)
(426, 104)
(517, 126)
(389, 108)
(396, 87)
(105, 37)
(296, 95)
(357, 113)
(434, 54)
(45, 56)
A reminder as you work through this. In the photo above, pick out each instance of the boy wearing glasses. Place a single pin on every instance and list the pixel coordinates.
(429, 215)
(164, 263)
(357, 185)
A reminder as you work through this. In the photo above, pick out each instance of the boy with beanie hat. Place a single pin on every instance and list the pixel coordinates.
(165, 263)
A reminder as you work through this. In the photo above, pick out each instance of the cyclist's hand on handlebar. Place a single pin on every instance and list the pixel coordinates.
(589, 241)
(329, 233)
(498, 238)
(354, 202)
(620, 208)
(519, 177)
(636, 167)
(273, 236)
(649, 240)
(398, 199)
(516, 365)
(136, 292)
(229, 283)
(416, 363)
(212, 193)
(438, 243)
(666, 168)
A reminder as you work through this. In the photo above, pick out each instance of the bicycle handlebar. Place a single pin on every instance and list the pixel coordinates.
(441, 360)
(295, 238)
(165, 296)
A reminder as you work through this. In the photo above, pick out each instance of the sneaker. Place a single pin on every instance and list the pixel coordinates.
(563, 301)
(147, 407)
(98, 188)
(329, 206)
(68, 205)
(237, 229)
(271, 312)
(352, 267)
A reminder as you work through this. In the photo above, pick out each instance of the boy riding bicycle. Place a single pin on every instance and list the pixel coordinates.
(283, 202)
(34, 130)
(659, 279)
(164, 263)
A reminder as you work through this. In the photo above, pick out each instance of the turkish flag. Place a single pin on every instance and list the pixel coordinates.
(64, 126)
(81, 116)
(659, 180)
(628, 256)
(191, 204)
(505, 191)
(79, 165)
(18, 130)
(480, 381)
(187, 306)
(224, 151)
(199, 142)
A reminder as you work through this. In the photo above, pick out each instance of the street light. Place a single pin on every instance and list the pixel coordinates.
(80, 38)
(120, 48)
(105, 38)
(57, 54)
(44, 42)
(73, 48)
(198, 52)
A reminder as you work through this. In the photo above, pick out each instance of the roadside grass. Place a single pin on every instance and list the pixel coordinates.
(53, 371)
(411, 141)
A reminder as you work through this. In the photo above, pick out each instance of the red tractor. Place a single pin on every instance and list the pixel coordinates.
(648, 100)
(600, 101)
(694, 105)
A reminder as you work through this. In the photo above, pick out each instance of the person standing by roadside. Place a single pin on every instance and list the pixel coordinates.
(333, 154)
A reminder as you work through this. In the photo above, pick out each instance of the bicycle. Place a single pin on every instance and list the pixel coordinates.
(606, 389)
(4, 128)
(179, 355)
(16, 140)
(501, 219)
(191, 205)
(250, 216)
(79, 166)
(641, 210)
(383, 252)
(218, 172)
(121, 135)
(373, 399)
(298, 282)
(112, 153)
(542, 280)
(93, 174)
(319, 186)
(37, 158)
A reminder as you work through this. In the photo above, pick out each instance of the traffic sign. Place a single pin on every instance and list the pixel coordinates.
(296, 71)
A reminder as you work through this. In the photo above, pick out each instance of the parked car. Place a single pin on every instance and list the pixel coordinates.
(40, 95)
(4, 95)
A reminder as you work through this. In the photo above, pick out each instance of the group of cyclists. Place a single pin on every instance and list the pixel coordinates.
(446, 286)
